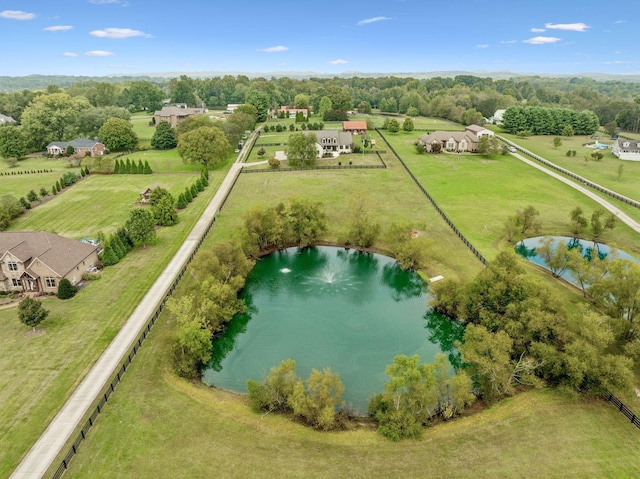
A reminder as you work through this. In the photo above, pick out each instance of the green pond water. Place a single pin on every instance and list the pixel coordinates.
(330, 307)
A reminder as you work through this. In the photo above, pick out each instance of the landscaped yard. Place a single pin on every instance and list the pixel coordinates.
(41, 370)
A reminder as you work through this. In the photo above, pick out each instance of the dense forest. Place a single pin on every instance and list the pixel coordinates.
(464, 98)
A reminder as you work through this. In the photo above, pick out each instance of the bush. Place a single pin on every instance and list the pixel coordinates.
(66, 290)
(274, 162)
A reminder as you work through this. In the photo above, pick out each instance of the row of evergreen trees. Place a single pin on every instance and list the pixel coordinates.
(191, 192)
(115, 247)
(129, 167)
(24, 172)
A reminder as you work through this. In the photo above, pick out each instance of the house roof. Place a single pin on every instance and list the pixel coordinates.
(77, 143)
(177, 111)
(441, 136)
(343, 137)
(60, 254)
(475, 128)
(354, 125)
(628, 145)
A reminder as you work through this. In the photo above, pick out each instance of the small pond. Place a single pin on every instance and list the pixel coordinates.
(330, 307)
(589, 249)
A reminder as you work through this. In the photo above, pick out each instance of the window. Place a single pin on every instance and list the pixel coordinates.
(16, 282)
(50, 282)
(13, 266)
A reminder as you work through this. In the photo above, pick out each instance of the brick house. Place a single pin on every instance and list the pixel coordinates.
(37, 261)
(80, 147)
(456, 141)
(175, 114)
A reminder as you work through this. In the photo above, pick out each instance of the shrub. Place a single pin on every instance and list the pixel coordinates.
(66, 290)
(274, 162)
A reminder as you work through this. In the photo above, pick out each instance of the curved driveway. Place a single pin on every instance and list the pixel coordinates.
(633, 224)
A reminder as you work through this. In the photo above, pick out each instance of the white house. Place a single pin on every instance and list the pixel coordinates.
(626, 149)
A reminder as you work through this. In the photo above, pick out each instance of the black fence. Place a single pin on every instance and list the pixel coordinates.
(436, 206)
(635, 420)
(270, 144)
(571, 174)
(64, 464)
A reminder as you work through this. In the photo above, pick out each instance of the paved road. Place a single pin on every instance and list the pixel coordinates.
(50, 444)
(633, 224)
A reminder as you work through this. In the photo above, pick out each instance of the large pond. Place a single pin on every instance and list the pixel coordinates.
(589, 249)
(330, 307)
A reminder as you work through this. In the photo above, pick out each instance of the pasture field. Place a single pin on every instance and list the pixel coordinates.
(96, 203)
(478, 194)
(604, 172)
(39, 371)
(19, 180)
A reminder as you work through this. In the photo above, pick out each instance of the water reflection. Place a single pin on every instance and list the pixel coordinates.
(330, 307)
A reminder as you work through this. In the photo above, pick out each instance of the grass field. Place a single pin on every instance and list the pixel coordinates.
(604, 172)
(159, 426)
(141, 127)
(478, 194)
(40, 371)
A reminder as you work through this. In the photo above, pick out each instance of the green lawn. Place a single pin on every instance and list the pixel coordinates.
(19, 180)
(142, 128)
(604, 172)
(40, 371)
(159, 426)
(478, 194)
(98, 202)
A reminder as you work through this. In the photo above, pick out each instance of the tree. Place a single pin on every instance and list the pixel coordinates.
(409, 252)
(192, 341)
(31, 312)
(275, 390)
(140, 96)
(118, 135)
(325, 105)
(555, 255)
(364, 107)
(364, 230)
(488, 145)
(567, 131)
(260, 100)
(527, 219)
(182, 91)
(301, 100)
(598, 227)
(340, 98)
(193, 123)
(407, 124)
(66, 290)
(301, 149)
(13, 143)
(164, 137)
(141, 226)
(618, 292)
(489, 358)
(409, 399)
(91, 120)
(304, 220)
(164, 211)
(52, 117)
(317, 398)
(393, 126)
(578, 221)
(557, 142)
(205, 145)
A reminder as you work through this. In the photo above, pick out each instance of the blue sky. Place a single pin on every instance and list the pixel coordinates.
(108, 37)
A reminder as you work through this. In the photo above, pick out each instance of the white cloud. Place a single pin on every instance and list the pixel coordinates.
(17, 15)
(276, 49)
(574, 27)
(339, 61)
(482, 45)
(366, 21)
(542, 40)
(118, 33)
(620, 21)
(508, 42)
(538, 30)
(98, 53)
(69, 54)
(618, 62)
(58, 28)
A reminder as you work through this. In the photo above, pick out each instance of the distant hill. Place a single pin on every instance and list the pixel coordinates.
(38, 82)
